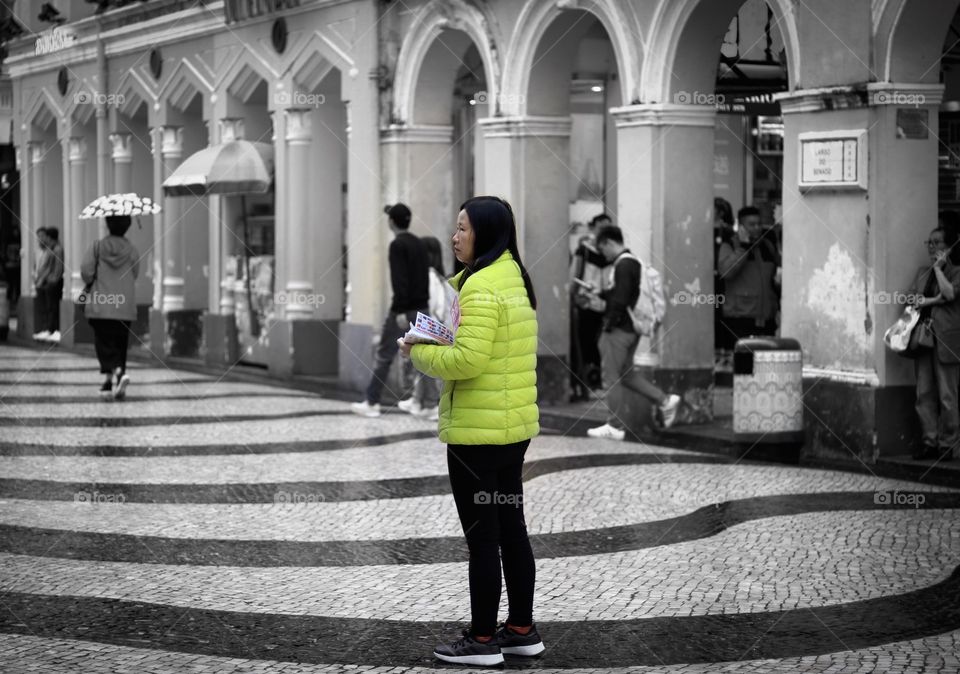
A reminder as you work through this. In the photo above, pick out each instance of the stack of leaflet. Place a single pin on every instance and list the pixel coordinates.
(428, 330)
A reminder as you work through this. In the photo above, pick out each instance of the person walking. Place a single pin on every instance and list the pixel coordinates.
(936, 290)
(488, 414)
(618, 343)
(423, 402)
(409, 278)
(109, 269)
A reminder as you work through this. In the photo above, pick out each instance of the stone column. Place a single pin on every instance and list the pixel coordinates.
(231, 128)
(298, 284)
(849, 251)
(665, 209)
(526, 160)
(122, 154)
(171, 152)
(79, 239)
(418, 168)
(37, 151)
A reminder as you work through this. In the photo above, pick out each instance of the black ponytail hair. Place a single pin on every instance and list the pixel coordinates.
(494, 231)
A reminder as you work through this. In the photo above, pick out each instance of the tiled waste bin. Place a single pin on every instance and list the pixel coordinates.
(768, 397)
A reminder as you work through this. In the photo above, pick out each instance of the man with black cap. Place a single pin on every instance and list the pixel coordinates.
(410, 279)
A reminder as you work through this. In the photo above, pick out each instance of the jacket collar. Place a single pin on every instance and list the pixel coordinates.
(505, 256)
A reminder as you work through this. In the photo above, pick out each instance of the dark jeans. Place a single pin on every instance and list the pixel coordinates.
(110, 339)
(386, 352)
(48, 306)
(937, 404)
(617, 348)
(586, 370)
(487, 488)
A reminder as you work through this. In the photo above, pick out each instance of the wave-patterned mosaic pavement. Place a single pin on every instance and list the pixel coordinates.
(207, 525)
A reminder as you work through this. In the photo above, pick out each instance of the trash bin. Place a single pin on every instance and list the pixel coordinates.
(768, 398)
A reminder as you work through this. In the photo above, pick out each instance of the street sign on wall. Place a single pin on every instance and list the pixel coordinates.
(833, 159)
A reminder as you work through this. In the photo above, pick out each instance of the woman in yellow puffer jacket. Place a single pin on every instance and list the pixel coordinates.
(488, 414)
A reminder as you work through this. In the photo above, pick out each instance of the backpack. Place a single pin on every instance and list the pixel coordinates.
(651, 306)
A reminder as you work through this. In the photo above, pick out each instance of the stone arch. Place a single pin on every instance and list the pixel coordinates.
(132, 91)
(43, 110)
(685, 44)
(909, 35)
(434, 19)
(183, 84)
(536, 17)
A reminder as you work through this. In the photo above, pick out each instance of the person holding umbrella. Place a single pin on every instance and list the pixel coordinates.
(109, 269)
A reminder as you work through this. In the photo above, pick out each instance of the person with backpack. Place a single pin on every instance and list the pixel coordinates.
(622, 327)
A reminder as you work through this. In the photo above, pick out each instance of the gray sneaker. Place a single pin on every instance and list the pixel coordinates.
(469, 651)
(514, 643)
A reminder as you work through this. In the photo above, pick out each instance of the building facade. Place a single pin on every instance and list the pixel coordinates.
(564, 107)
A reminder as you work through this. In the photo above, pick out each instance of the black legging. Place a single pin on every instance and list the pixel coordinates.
(110, 339)
(487, 488)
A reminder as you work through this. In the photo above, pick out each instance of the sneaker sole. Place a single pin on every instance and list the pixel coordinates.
(482, 660)
(366, 415)
(122, 387)
(528, 651)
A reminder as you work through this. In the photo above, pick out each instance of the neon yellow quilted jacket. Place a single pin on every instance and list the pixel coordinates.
(489, 373)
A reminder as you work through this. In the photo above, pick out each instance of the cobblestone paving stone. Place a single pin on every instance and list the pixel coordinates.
(936, 655)
(851, 563)
(802, 570)
(563, 501)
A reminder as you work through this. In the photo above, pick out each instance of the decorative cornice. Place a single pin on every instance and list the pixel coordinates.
(868, 94)
(900, 94)
(421, 133)
(664, 114)
(525, 126)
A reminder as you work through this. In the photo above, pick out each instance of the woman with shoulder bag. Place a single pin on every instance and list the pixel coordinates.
(936, 293)
(488, 414)
(109, 268)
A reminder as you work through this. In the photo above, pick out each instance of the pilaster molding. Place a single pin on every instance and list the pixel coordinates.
(417, 133)
(664, 114)
(299, 126)
(122, 150)
(526, 126)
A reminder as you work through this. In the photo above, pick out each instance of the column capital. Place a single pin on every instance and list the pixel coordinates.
(862, 95)
(37, 150)
(122, 151)
(664, 114)
(526, 126)
(299, 125)
(171, 141)
(77, 149)
(231, 128)
(441, 134)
